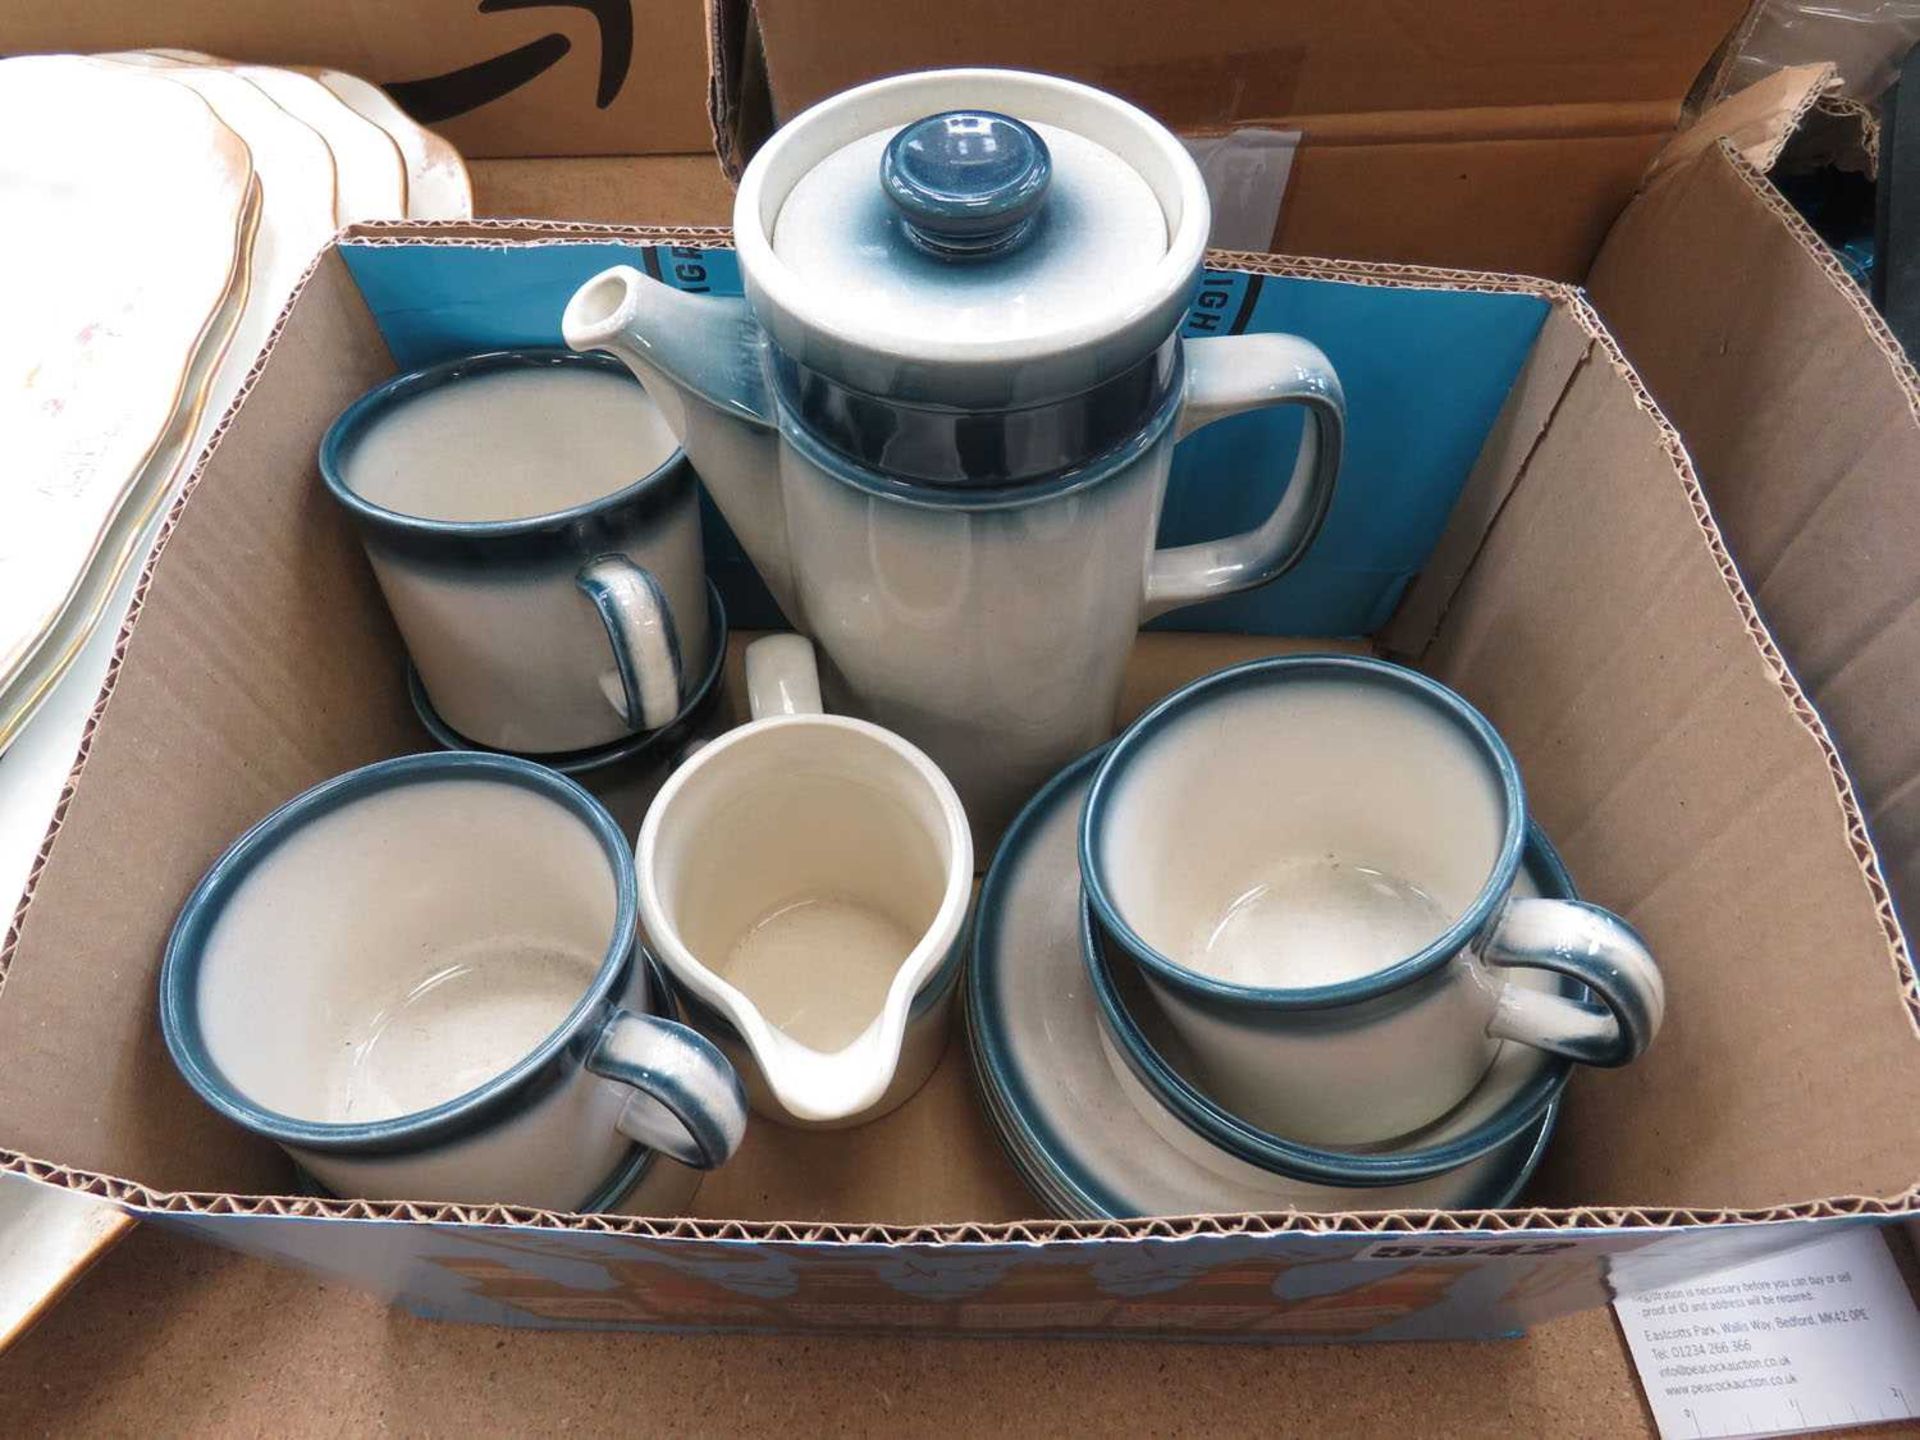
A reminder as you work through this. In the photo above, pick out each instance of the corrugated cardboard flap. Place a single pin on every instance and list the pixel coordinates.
(1198, 65)
(1804, 414)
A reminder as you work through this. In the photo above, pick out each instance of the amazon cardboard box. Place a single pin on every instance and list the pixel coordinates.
(1505, 136)
(553, 77)
(1571, 578)
(1498, 136)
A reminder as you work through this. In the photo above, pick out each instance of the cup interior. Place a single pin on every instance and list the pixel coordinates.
(402, 948)
(498, 439)
(803, 862)
(1300, 824)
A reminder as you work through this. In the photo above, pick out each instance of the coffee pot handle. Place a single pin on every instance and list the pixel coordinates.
(645, 684)
(1588, 944)
(1231, 375)
(687, 1101)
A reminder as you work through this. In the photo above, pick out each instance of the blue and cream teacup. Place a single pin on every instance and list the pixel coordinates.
(1312, 861)
(420, 979)
(1521, 1086)
(535, 528)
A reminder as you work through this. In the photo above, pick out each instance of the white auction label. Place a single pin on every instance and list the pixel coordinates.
(1821, 1336)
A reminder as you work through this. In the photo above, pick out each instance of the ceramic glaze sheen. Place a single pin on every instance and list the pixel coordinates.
(1102, 230)
(1315, 920)
(481, 1008)
(555, 1154)
(315, 1007)
(1089, 1135)
(420, 979)
(806, 876)
(515, 657)
(997, 644)
(510, 445)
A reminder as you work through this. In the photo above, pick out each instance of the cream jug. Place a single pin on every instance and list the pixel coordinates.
(941, 420)
(805, 880)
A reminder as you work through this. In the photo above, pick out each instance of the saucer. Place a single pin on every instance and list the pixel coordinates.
(647, 744)
(1516, 1090)
(1081, 1130)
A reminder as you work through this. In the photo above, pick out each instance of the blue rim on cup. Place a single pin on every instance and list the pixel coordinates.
(710, 1135)
(1207, 1117)
(556, 532)
(1251, 674)
(639, 746)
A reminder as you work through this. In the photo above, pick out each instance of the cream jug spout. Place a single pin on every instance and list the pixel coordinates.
(829, 1089)
(702, 359)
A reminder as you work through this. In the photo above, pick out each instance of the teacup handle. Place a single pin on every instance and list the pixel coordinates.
(687, 1101)
(1593, 946)
(1230, 375)
(645, 683)
(783, 678)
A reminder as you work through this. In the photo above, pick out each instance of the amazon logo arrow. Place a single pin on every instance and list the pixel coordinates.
(441, 97)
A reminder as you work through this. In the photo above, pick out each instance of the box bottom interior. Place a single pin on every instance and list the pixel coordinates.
(937, 1159)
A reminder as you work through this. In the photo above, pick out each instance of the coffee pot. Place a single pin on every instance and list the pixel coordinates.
(942, 417)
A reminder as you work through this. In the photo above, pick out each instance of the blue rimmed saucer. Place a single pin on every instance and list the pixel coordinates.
(1518, 1087)
(1089, 1139)
(647, 745)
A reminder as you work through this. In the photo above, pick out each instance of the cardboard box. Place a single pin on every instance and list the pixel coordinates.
(628, 77)
(1803, 416)
(607, 189)
(1580, 594)
(173, 1335)
(1504, 136)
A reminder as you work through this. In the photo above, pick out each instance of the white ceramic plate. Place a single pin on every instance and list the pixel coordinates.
(48, 1238)
(292, 162)
(107, 310)
(372, 173)
(438, 187)
(1074, 1121)
(298, 185)
(123, 542)
(295, 176)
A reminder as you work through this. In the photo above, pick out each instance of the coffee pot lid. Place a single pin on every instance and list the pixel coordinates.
(971, 236)
(974, 224)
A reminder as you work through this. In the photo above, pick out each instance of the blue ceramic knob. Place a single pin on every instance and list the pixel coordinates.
(968, 183)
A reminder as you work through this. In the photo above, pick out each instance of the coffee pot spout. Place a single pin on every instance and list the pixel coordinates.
(702, 359)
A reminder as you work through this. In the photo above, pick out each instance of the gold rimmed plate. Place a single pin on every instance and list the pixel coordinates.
(110, 314)
(438, 186)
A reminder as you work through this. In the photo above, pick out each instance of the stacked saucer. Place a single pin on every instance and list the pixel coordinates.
(1292, 942)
